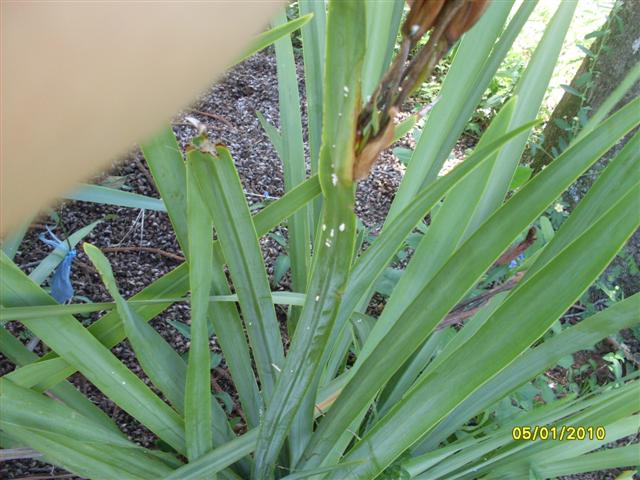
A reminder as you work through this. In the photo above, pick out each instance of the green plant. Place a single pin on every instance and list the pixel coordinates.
(418, 400)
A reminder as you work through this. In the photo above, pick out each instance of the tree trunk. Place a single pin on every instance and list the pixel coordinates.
(615, 52)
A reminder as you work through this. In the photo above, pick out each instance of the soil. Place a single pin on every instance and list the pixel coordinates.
(228, 110)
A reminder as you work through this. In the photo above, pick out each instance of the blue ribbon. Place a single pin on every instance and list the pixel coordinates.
(514, 263)
(61, 289)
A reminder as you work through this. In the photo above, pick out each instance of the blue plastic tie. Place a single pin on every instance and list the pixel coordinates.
(61, 289)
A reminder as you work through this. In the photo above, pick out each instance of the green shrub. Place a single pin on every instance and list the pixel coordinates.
(405, 395)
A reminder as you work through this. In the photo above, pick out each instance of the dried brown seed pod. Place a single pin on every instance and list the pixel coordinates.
(465, 19)
(369, 154)
(421, 17)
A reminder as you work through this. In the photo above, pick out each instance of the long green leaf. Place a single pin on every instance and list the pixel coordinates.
(238, 448)
(373, 261)
(383, 22)
(491, 448)
(292, 156)
(18, 354)
(598, 461)
(164, 366)
(111, 196)
(216, 460)
(197, 404)
(89, 460)
(45, 311)
(271, 36)
(158, 360)
(221, 189)
(530, 90)
(612, 410)
(335, 239)
(165, 161)
(446, 231)
(29, 409)
(313, 46)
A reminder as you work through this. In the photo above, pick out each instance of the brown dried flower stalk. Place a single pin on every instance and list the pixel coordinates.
(447, 20)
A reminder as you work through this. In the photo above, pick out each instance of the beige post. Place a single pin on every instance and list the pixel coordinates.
(82, 81)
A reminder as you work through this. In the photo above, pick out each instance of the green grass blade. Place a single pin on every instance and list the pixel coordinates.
(111, 196)
(383, 22)
(612, 100)
(553, 288)
(20, 355)
(12, 241)
(272, 132)
(445, 234)
(515, 459)
(79, 348)
(472, 457)
(158, 360)
(271, 36)
(466, 81)
(335, 240)
(530, 90)
(232, 340)
(221, 189)
(45, 311)
(49, 264)
(392, 346)
(165, 161)
(164, 366)
(592, 462)
(292, 156)
(313, 45)
(24, 407)
(109, 329)
(89, 460)
(197, 410)
(449, 225)
(238, 448)
(470, 328)
(291, 150)
(217, 459)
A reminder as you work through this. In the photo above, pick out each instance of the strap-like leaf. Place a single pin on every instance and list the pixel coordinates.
(221, 189)
(197, 402)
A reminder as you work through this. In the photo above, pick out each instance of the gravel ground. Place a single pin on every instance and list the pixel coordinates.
(228, 110)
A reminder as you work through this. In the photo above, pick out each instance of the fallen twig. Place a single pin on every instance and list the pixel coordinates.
(145, 171)
(214, 116)
(458, 315)
(158, 251)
